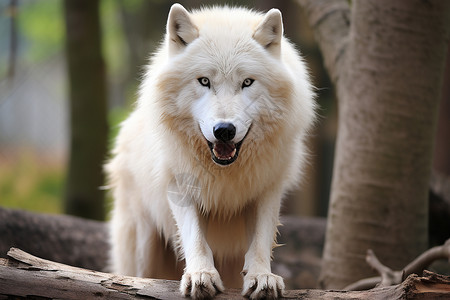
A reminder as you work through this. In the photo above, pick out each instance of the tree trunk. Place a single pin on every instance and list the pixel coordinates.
(23, 275)
(88, 105)
(442, 144)
(12, 9)
(386, 61)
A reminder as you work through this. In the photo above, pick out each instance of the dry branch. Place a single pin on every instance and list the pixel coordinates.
(24, 275)
(389, 277)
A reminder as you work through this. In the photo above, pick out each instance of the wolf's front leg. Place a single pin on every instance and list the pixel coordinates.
(259, 281)
(201, 279)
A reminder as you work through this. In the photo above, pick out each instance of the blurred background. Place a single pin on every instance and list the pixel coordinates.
(45, 123)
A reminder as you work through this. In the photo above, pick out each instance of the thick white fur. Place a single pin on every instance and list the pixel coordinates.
(170, 197)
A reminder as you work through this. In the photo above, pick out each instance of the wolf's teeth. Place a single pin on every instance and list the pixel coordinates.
(226, 158)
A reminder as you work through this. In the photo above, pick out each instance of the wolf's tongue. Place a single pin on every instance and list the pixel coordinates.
(224, 151)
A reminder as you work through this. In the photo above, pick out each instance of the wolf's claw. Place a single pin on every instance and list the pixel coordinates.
(201, 285)
(263, 286)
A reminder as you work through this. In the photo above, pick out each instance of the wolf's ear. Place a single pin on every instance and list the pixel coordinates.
(180, 29)
(269, 31)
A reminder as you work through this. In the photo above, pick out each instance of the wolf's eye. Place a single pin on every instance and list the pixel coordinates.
(247, 82)
(204, 81)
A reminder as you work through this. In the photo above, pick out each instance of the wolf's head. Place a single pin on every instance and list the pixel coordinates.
(222, 77)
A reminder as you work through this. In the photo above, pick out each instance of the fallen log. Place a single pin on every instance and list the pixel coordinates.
(61, 238)
(26, 276)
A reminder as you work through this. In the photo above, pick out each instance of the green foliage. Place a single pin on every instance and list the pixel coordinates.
(28, 183)
(41, 23)
(133, 5)
(114, 49)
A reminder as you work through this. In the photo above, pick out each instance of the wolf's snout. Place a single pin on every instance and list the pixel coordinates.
(224, 150)
(224, 132)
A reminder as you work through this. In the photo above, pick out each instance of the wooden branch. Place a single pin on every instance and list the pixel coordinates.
(389, 277)
(426, 258)
(24, 275)
(331, 23)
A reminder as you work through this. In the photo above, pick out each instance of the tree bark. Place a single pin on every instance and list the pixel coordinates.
(23, 275)
(12, 11)
(442, 144)
(88, 110)
(386, 61)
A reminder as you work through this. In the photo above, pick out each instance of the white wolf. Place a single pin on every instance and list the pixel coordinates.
(216, 139)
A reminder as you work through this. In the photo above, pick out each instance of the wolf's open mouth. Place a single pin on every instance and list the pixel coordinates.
(224, 153)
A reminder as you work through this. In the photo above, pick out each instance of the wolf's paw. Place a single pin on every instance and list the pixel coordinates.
(263, 286)
(201, 285)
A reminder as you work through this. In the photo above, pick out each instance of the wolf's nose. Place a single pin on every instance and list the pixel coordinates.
(224, 132)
